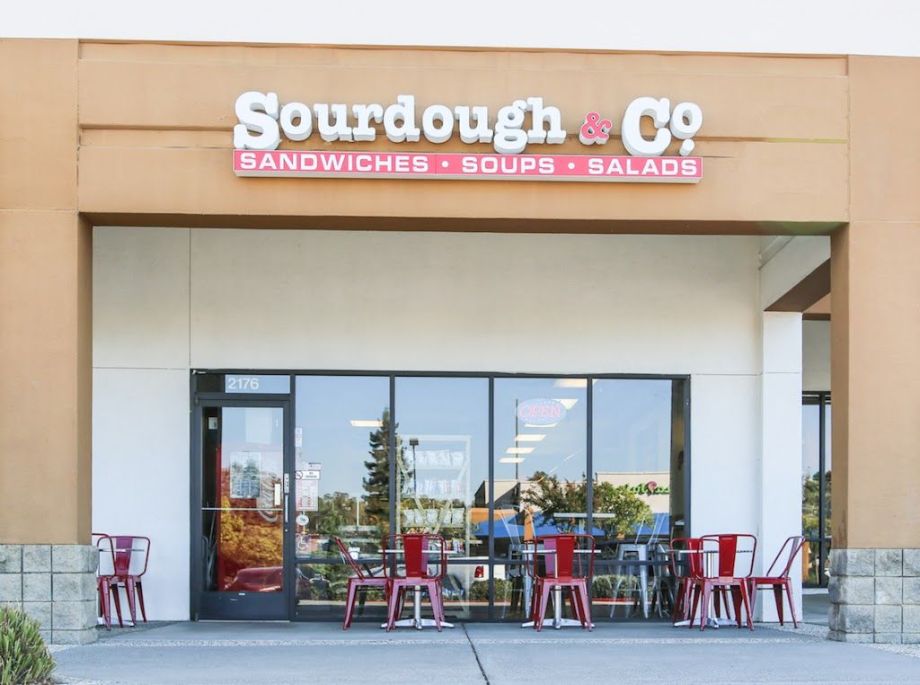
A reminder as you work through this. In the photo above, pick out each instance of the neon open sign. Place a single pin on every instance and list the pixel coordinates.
(541, 412)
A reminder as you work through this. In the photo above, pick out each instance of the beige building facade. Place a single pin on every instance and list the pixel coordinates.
(139, 135)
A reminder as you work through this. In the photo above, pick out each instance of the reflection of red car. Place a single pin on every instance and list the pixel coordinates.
(266, 579)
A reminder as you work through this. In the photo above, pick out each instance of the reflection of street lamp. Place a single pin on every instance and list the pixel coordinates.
(413, 443)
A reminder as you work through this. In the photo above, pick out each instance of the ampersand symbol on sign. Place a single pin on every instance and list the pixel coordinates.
(595, 130)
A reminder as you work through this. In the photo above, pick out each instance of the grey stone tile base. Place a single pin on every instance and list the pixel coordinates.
(875, 596)
(55, 585)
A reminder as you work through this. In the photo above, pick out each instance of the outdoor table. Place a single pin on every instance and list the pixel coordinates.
(417, 621)
(558, 620)
(708, 556)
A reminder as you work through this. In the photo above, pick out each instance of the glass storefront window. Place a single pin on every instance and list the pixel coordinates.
(639, 477)
(442, 468)
(540, 482)
(816, 487)
(340, 487)
(487, 462)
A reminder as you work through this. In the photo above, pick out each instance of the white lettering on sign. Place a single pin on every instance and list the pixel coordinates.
(523, 122)
(262, 120)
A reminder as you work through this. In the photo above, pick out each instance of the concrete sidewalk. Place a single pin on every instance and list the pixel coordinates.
(629, 652)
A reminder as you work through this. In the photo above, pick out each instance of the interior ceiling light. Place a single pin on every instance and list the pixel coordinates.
(519, 450)
(529, 437)
(511, 460)
(546, 425)
(567, 402)
(366, 423)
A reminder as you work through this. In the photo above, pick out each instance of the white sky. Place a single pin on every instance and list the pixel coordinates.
(883, 27)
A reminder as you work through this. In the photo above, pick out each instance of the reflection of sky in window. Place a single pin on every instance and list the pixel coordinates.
(632, 425)
(810, 443)
(253, 429)
(458, 407)
(809, 440)
(325, 407)
(562, 452)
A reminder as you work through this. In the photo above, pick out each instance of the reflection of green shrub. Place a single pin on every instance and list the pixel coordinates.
(479, 590)
(602, 586)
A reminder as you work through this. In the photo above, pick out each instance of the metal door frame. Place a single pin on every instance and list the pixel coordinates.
(219, 605)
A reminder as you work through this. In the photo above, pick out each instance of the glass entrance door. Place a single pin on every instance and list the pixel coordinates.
(243, 504)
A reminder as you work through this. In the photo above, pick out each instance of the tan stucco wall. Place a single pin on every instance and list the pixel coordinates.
(156, 126)
(875, 316)
(45, 301)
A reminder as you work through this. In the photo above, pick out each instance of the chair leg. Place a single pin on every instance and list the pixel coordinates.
(437, 602)
(704, 610)
(116, 599)
(140, 599)
(544, 600)
(695, 591)
(778, 597)
(795, 622)
(105, 605)
(575, 604)
(736, 602)
(132, 604)
(747, 606)
(391, 607)
(349, 604)
(585, 599)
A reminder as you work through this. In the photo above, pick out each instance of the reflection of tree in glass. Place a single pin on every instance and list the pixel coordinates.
(810, 505)
(550, 496)
(377, 482)
(246, 539)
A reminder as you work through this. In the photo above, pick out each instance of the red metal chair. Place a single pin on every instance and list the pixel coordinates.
(686, 565)
(417, 549)
(106, 585)
(559, 570)
(778, 582)
(361, 580)
(132, 553)
(726, 577)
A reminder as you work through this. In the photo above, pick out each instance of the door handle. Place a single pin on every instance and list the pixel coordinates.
(285, 510)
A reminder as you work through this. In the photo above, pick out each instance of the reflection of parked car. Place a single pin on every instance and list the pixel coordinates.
(258, 579)
(310, 585)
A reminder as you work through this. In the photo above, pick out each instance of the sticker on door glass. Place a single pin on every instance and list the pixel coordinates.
(245, 474)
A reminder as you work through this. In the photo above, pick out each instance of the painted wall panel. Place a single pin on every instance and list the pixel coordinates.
(467, 302)
(141, 474)
(141, 297)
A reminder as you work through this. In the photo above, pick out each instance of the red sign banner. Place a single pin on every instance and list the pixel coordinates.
(435, 166)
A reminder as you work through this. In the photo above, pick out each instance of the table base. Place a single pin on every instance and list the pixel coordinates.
(417, 621)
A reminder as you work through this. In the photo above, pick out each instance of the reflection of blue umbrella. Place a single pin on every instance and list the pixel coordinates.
(660, 525)
(504, 528)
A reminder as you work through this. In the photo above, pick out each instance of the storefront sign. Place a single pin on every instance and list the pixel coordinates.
(263, 120)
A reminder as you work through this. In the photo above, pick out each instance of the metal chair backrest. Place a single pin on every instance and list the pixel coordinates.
(348, 559)
(791, 548)
(686, 557)
(418, 551)
(131, 555)
(106, 547)
(561, 562)
(727, 546)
